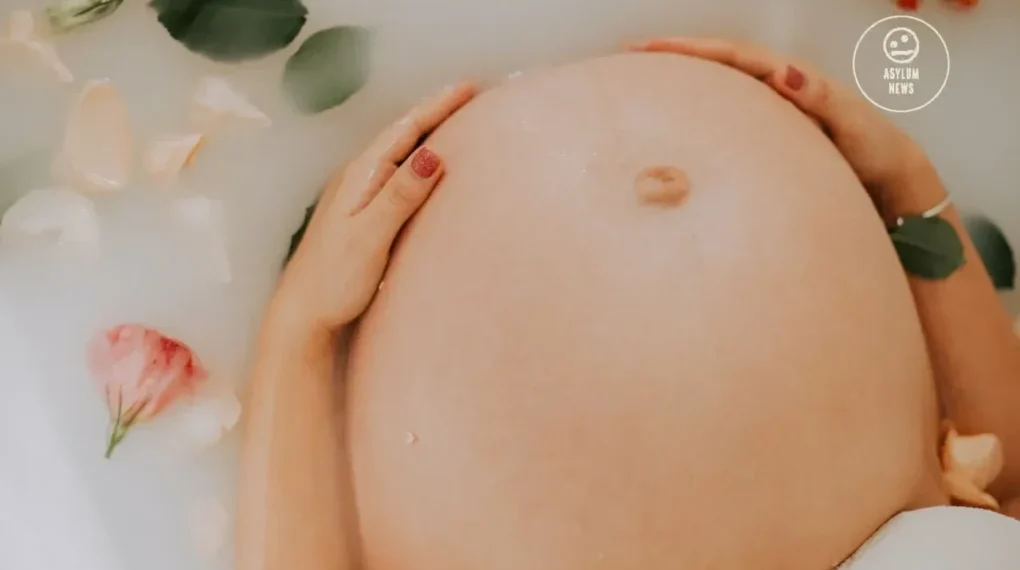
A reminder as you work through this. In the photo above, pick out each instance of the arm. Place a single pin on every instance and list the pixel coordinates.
(291, 502)
(294, 498)
(974, 352)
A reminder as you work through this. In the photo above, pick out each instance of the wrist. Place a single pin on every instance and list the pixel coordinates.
(289, 317)
(913, 189)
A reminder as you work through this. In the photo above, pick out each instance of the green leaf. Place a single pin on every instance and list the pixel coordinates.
(929, 248)
(329, 67)
(995, 251)
(70, 14)
(232, 30)
(295, 240)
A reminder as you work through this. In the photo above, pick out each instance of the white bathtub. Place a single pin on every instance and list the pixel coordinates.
(62, 506)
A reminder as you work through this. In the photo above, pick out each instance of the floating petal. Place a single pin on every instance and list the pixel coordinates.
(208, 522)
(53, 210)
(21, 33)
(166, 157)
(98, 147)
(205, 216)
(21, 26)
(978, 458)
(964, 492)
(214, 411)
(140, 372)
(217, 103)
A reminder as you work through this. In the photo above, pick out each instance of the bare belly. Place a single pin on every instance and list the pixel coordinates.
(559, 375)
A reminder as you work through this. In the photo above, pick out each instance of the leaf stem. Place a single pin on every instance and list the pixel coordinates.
(119, 428)
(116, 435)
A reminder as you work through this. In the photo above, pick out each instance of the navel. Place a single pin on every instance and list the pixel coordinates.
(662, 185)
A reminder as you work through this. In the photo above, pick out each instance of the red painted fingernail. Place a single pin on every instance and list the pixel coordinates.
(425, 163)
(794, 78)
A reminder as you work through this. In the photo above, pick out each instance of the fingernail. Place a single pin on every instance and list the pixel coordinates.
(425, 163)
(794, 78)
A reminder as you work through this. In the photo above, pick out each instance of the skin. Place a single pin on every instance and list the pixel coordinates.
(296, 504)
(578, 362)
(292, 510)
(974, 351)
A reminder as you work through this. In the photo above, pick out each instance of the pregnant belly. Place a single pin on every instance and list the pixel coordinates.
(559, 374)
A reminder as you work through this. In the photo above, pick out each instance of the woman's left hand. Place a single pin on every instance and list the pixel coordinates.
(880, 153)
(336, 270)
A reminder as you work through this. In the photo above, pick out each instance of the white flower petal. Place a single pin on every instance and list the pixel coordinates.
(228, 410)
(48, 55)
(21, 26)
(53, 210)
(98, 146)
(216, 103)
(166, 157)
(205, 216)
(208, 522)
(204, 419)
(21, 33)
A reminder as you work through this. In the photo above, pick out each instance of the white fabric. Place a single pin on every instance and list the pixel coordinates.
(942, 538)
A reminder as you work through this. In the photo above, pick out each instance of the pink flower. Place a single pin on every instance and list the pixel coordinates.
(140, 371)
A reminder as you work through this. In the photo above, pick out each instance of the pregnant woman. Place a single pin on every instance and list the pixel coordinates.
(648, 318)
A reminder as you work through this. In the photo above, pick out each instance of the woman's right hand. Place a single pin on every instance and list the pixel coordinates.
(879, 152)
(336, 270)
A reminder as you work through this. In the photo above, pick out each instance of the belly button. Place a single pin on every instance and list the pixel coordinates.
(662, 185)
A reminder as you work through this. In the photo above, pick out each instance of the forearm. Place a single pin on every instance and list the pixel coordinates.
(290, 504)
(974, 352)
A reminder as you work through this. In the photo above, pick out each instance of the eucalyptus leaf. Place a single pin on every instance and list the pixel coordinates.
(329, 67)
(70, 14)
(929, 247)
(995, 250)
(295, 240)
(232, 30)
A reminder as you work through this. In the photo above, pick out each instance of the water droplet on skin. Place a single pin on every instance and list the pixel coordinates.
(663, 185)
(410, 438)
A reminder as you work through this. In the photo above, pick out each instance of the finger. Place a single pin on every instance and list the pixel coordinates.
(376, 179)
(754, 60)
(822, 100)
(402, 137)
(819, 97)
(395, 143)
(402, 195)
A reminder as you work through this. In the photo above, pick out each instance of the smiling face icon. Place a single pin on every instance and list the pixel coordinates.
(901, 45)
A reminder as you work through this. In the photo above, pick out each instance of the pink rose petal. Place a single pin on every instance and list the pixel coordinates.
(140, 372)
